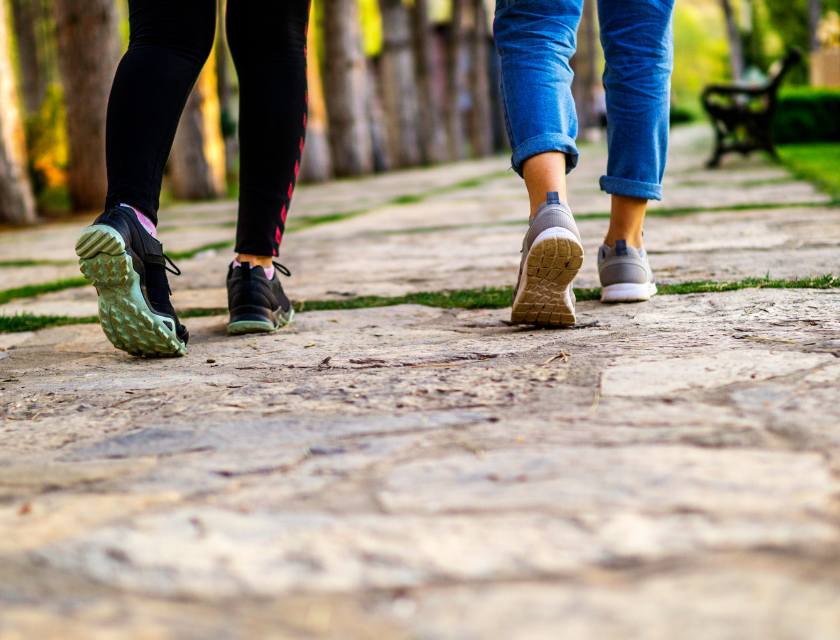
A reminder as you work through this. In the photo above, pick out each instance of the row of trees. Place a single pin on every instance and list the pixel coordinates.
(427, 96)
(751, 23)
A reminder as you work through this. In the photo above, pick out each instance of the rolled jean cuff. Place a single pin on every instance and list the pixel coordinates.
(632, 188)
(543, 143)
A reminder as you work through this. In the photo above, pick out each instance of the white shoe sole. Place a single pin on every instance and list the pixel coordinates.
(545, 295)
(628, 292)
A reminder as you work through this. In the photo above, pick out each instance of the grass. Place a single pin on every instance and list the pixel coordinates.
(191, 253)
(484, 298)
(817, 162)
(32, 290)
(30, 322)
(35, 263)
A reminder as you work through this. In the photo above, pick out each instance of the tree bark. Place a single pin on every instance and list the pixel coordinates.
(814, 13)
(17, 205)
(433, 138)
(736, 55)
(316, 165)
(27, 18)
(346, 87)
(481, 129)
(197, 160)
(223, 82)
(88, 48)
(456, 81)
(583, 65)
(398, 85)
(382, 160)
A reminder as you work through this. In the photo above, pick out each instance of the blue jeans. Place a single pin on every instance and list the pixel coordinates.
(536, 39)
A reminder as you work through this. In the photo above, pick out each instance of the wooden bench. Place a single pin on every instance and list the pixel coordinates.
(743, 114)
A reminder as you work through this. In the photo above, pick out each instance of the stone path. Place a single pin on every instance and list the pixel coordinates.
(664, 470)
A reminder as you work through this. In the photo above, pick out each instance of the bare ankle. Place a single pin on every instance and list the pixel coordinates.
(255, 261)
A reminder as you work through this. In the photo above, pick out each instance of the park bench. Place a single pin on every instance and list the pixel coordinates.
(743, 114)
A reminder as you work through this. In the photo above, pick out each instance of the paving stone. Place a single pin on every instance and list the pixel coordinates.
(662, 470)
(582, 480)
(728, 604)
(214, 553)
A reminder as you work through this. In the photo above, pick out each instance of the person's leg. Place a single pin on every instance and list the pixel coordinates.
(535, 40)
(544, 173)
(268, 44)
(638, 47)
(637, 38)
(119, 253)
(627, 214)
(169, 43)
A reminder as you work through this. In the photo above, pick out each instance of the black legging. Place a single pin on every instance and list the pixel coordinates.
(170, 42)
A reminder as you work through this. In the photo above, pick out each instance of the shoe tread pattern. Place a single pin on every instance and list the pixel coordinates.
(128, 322)
(546, 298)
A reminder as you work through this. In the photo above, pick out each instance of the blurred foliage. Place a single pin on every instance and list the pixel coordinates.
(46, 143)
(371, 27)
(700, 51)
(682, 115)
(808, 114)
(789, 18)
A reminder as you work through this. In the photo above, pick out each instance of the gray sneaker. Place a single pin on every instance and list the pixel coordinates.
(625, 274)
(551, 258)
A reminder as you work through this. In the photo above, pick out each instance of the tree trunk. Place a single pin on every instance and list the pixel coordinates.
(814, 13)
(481, 130)
(346, 87)
(316, 165)
(198, 153)
(27, 17)
(398, 84)
(88, 48)
(736, 55)
(16, 203)
(583, 64)
(382, 160)
(223, 82)
(456, 81)
(433, 138)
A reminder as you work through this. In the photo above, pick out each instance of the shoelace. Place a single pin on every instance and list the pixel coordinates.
(174, 270)
(281, 269)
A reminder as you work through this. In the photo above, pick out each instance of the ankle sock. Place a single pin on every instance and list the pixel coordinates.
(269, 273)
(144, 220)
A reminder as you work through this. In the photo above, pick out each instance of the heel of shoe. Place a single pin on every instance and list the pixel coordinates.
(99, 238)
(628, 292)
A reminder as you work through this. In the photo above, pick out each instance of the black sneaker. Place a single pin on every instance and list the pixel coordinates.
(127, 267)
(256, 303)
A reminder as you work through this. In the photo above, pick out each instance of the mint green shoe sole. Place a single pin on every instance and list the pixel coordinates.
(124, 314)
(255, 326)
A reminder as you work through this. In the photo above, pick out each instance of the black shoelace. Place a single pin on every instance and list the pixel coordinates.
(282, 269)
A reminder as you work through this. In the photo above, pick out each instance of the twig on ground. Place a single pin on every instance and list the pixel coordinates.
(758, 338)
(562, 354)
(448, 364)
(594, 406)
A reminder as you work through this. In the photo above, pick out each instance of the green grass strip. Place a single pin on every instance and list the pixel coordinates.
(191, 253)
(683, 288)
(484, 298)
(32, 290)
(29, 322)
(35, 263)
(817, 162)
